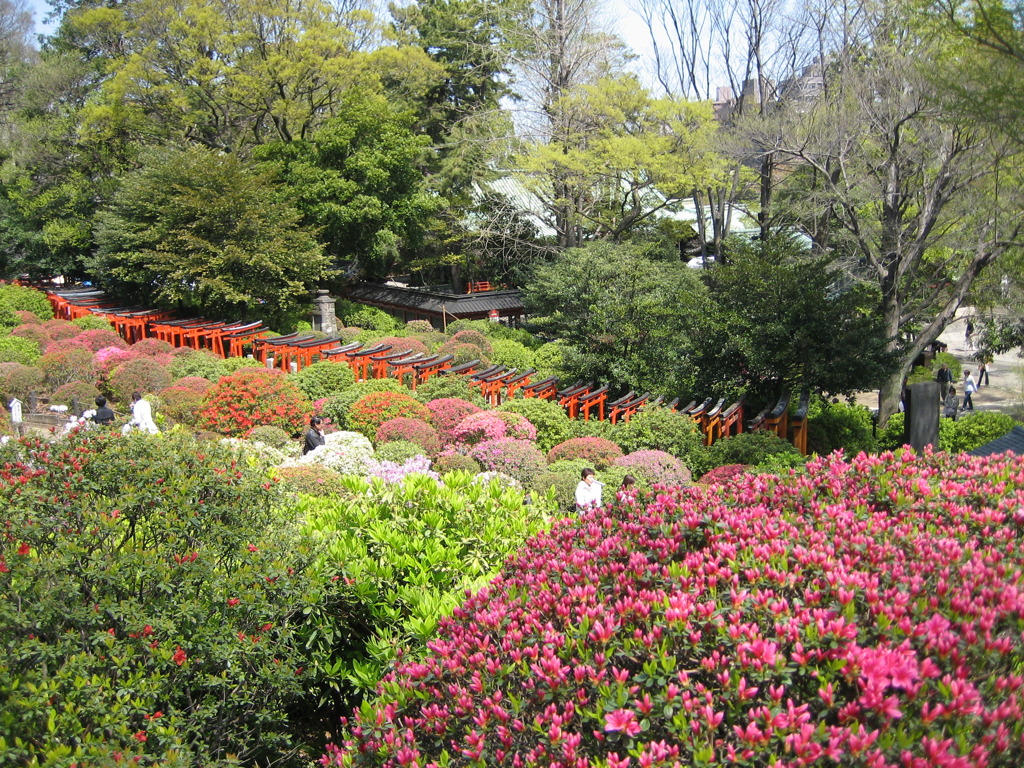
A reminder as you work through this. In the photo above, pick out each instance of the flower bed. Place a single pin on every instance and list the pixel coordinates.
(869, 613)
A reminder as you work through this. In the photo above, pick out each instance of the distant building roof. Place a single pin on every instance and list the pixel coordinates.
(1012, 441)
(470, 306)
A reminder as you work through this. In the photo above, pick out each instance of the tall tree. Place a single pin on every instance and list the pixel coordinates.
(919, 204)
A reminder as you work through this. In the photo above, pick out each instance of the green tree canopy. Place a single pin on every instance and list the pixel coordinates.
(620, 312)
(199, 230)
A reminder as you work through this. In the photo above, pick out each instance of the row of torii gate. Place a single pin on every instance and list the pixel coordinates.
(496, 383)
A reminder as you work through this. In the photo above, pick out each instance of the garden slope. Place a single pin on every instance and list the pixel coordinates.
(868, 613)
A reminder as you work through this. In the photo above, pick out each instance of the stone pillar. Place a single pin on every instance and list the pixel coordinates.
(921, 425)
(324, 318)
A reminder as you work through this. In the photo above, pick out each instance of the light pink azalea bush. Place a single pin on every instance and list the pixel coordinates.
(491, 425)
(520, 459)
(447, 412)
(655, 467)
(868, 613)
(97, 339)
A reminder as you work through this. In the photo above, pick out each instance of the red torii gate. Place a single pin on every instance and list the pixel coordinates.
(545, 389)
(381, 360)
(517, 382)
(569, 398)
(233, 344)
(425, 369)
(596, 399)
(359, 360)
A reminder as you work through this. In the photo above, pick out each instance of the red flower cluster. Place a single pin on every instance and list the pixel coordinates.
(254, 397)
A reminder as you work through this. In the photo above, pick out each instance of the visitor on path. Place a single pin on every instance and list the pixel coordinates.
(969, 389)
(142, 416)
(969, 334)
(945, 378)
(103, 414)
(588, 491)
(314, 435)
(983, 375)
(951, 404)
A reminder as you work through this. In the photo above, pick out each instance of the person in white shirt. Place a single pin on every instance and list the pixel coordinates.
(142, 416)
(588, 491)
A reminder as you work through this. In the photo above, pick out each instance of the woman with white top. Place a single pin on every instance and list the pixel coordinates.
(588, 491)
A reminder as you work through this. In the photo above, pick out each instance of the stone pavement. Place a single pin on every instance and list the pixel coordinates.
(1006, 373)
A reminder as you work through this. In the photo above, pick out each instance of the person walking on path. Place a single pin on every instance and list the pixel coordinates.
(945, 378)
(969, 334)
(950, 404)
(983, 375)
(969, 389)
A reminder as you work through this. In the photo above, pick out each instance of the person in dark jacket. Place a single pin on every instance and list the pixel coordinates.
(103, 414)
(314, 435)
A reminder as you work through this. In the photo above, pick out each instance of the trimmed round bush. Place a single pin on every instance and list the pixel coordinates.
(446, 413)
(95, 340)
(455, 462)
(654, 467)
(142, 374)
(475, 338)
(518, 458)
(22, 298)
(84, 391)
(93, 323)
(310, 479)
(28, 318)
(552, 422)
(408, 344)
(748, 448)
(831, 426)
(419, 326)
(415, 431)
(725, 473)
(65, 364)
(370, 318)
(151, 348)
(108, 358)
(397, 451)
(596, 451)
(370, 411)
(234, 364)
(182, 404)
(491, 425)
(275, 437)
(661, 429)
(196, 363)
(323, 379)
(337, 406)
(511, 354)
(194, 383)
(33, 332)
(874, 626)
(17, 380)
(549, 359)
(60, 330)
(15, 349)
(464, 353)
(563, 476)
(253, 397)
(440, 387)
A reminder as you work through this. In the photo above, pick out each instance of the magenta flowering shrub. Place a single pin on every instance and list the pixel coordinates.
(411, 430)
(60, 330)
(475, 338)
(655, 467)
(447, 412)
(723, 474)
(868, 613)
(491, 425)
(599, 452)
(142, 373)
(520, 459)
(152, 348)
(97, 339)
(108, 358)
(193, 383)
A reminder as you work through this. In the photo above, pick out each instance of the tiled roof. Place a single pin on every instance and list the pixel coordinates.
(1012, 441)
(507, 303)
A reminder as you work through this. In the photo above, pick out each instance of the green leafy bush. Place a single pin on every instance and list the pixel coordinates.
(143, 374)
(370, 318)
(84, 391)
(181, 404)
(370, 411)
(419, 326)
(398, 451)
(549, 360)
(14, 349)
(197, 363)
(951, 360)
(511, 354)
(65, 364)
(407, 552)
(323, 379)
(310, 479)
(235, 364)
(93, 323)
(337, 406)
(955, 436)
(552, 422)
(275, 437)
(438, 387)
(748, 448)
(24, 299)
(17, 380)
(149, 597)
(562, 477)
(455, 462)
(254, 397)
(831, 426)
(663, 430)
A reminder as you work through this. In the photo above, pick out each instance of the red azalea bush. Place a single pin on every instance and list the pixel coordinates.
(252, 397)
(195, 383)
(411, 430)
(142, 373)
(60, 330)
(404, 343)
(867, 613)
(84, 391)
(519, 458)
(64, 364)
(596, 451)
(655, 467)
(723, 474)
(447, 412)
(17, 380)
(97, 339)
(370, 411)
(153, 348)
(28, 318)
(491, 425)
